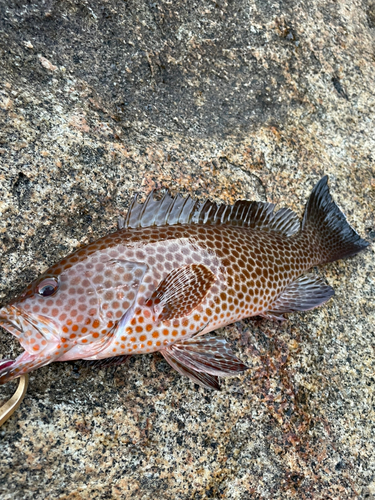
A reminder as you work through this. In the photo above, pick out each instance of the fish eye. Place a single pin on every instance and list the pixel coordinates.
(48, 287)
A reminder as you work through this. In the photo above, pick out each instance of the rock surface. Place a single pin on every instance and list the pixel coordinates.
(221, 99)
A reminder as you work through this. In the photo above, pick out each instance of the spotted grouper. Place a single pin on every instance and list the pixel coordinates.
(176, 270)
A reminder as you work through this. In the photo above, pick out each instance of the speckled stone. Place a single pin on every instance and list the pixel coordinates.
(243, 99)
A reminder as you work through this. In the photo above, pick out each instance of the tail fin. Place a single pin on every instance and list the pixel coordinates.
(326, 226)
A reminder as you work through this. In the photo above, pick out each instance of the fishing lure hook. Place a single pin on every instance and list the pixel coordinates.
(7, 410)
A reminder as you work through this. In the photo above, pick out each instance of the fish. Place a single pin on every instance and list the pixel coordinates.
(176, 270)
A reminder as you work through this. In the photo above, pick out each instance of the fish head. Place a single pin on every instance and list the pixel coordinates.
(73, 307)
(29, 318)
(33, 324)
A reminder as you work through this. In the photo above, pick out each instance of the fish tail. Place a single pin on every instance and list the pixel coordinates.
(326, 228)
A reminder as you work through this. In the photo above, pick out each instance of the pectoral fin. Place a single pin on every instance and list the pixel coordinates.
(105, 362)
(203, 359)
(181, 291)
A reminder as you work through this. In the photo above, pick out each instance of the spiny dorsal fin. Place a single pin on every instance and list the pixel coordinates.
(180, 210)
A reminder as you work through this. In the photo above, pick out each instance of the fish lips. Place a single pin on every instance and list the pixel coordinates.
(23, 326)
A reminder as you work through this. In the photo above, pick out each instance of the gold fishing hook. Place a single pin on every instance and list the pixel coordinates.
(14, 402)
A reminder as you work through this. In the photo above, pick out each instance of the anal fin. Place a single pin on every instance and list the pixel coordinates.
(203, 359)
(305, 293)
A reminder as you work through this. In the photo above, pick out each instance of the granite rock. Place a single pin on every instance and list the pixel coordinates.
(220, 99)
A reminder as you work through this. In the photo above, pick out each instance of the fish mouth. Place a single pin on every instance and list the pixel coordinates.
(24, 328)
(11, 369)
(22, 325)
(9, 321)
(5, 363)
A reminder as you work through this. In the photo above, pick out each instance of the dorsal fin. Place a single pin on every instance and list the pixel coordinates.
(179, 210)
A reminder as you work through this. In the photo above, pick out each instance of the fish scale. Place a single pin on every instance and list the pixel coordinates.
(176, 270)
